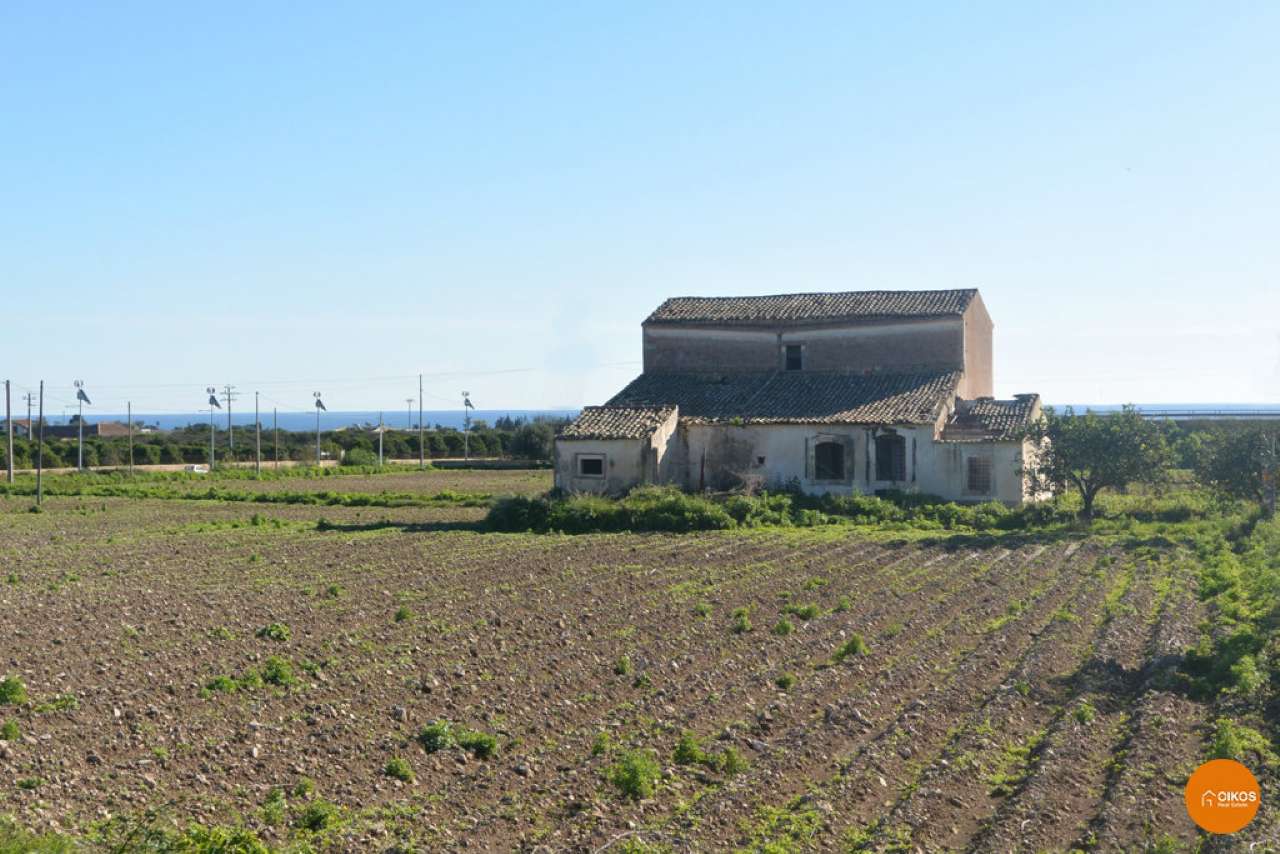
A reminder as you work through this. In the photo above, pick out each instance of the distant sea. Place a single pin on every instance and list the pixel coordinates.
(453, 418)
(328, 420)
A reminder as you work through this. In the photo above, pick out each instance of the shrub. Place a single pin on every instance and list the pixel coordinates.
(783, 627)
(442, 735)
(804, 612)
(318, 816)
(622, 666)
(741, 620)
(853, 646)
(403, 614)
(601, 744)
(785, 681)
(399, 769)
(12, 691)
(278, 671)
(1085, 712)
(273, 807)
(1235, 741)
(517, 513)
(10, 731)
(635, 774)
(730, 762)
(275, 632)
(222, 683)
(655, 508)
(689, 750)
(359, 457)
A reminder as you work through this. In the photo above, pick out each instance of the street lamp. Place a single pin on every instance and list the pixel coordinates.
(319, 407)
(213, 404)
(81, 399)
(466, 425)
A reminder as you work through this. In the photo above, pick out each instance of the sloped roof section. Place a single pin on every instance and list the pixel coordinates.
(617, 422)
(801, 397)
(988, 420)
(787, 309)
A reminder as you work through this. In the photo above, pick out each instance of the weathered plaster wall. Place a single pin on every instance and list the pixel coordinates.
(628, 462)
(898, 345)
(624, 464)
(979, 333)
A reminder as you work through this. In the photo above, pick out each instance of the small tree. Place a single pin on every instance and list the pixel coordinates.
(1093, 452)
(1243, 464)
(533, 441)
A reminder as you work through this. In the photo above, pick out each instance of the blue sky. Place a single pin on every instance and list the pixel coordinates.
(338, 196)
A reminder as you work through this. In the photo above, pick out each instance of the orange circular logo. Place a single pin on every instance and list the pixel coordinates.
(1222, 796)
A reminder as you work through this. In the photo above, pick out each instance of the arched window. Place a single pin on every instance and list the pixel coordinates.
(828, 461)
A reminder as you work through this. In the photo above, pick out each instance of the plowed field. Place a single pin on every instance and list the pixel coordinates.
(1010, 695)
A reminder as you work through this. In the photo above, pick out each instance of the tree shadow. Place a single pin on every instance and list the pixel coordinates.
(403, 527)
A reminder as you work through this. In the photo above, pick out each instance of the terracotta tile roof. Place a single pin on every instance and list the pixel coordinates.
(811, 308)
(986, 419)
(801, 397)
(617, 422)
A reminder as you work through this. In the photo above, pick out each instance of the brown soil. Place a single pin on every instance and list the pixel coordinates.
(133, 607)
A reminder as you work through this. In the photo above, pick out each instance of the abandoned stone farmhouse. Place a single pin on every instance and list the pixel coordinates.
(850, 392)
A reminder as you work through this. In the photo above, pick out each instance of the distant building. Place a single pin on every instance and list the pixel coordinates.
(843, 393)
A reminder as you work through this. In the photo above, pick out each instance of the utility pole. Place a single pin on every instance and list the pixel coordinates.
(408, 414)
(40, 451)
(257, 438)
(275, 429)
(31, 398)
(229, 392)
(379, 447)
(8, 420)
(129, 417)
(422, 436)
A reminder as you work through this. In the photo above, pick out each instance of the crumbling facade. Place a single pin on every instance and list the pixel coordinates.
(848, 392)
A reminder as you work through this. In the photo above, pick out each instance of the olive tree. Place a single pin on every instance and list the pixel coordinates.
(1093, 452)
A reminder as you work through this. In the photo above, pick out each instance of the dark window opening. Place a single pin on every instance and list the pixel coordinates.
(828, 461)
(979, 479)
(795, 357)
(591, 466)
(891, 457)
(759, 461)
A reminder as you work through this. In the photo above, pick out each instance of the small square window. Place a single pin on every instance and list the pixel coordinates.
(979, 476)
(591, 465)
(795, 357)
(759, 461)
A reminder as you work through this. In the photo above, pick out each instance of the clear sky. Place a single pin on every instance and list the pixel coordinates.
(291, 196)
